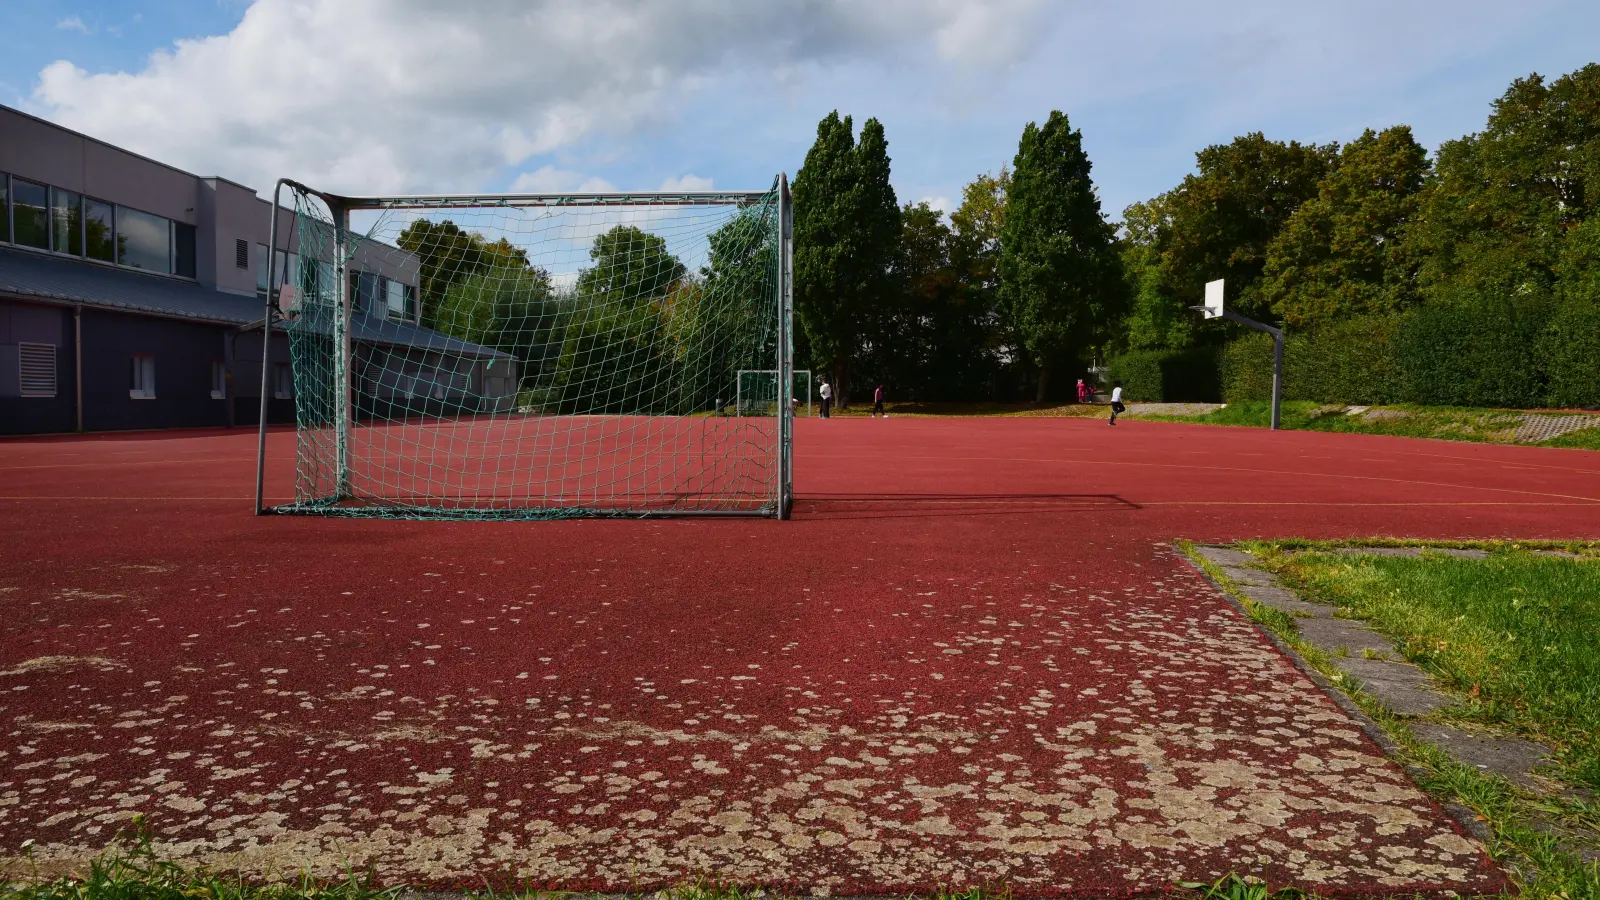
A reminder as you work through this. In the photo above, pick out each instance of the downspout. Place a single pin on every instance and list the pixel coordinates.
(77, 362)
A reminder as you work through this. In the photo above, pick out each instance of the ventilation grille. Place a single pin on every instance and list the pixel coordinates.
(38, 365)
(241, 253)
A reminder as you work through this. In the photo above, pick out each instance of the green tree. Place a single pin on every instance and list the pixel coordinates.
(1156, 319)
(446, 253)
(1341, 253)
(629, 265)
(847, 227)
(1218, 223)
(617, 355)
(1497, 210)
(723, 321)
(1060, 278)
(509, 307)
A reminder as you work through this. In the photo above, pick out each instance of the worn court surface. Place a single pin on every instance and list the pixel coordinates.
(969, 660)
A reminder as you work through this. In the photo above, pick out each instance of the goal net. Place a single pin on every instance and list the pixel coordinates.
(536, 356)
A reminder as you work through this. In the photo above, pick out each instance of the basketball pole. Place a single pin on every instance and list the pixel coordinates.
(1214, 308)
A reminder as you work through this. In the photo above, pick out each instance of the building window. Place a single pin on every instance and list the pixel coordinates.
(144, 241)
(144, 378)
(30, 214)
(394, 298)
(282, 381)
(182, 250)
(37, 363)
(99, 230)
(66, 222)
(219, 380)
(259, 263)
(5, 207)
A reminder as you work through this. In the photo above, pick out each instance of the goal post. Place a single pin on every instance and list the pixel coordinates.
(756, 393)
(534, 356)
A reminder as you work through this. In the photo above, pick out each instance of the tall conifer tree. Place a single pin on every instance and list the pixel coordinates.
(1060, 277)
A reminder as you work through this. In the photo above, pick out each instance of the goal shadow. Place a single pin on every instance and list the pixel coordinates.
(929, 505)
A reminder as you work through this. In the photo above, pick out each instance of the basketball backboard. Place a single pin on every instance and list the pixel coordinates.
(1213, 304)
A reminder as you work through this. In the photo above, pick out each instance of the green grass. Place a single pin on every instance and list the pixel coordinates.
(1516, 635)
(1453, 423)
(130, 870)
(1586, 439)
(1541, 867)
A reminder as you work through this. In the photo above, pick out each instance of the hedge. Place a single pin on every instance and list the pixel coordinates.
(1473, 351)
(1349, 362)
(1169, 376)
(1570, 352)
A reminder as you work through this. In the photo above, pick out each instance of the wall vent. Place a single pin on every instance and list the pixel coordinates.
(241, 253)
(38, 365)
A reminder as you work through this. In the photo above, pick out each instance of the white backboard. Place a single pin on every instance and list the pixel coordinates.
(1213, 305)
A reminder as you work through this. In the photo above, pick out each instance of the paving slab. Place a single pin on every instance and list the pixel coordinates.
(1330, 635)
(1405, 689)
(1379, 551)
(1278, 598)
(1249, 576)
(1226, 556)
(1513, 758)
(1459, 552)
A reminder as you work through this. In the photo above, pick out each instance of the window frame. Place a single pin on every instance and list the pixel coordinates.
(219, 380)
(76, 205)
(167, 231)
(143, 385)
(111, 228)
(11, 203)
(282, 382)
(175, 250)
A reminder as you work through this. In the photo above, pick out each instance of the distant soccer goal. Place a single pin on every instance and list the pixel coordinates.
(756, 393)
(529, 356)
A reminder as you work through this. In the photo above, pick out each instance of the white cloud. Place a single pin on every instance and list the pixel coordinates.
(377, 96)
(551, 180)
(690, 182)
(73, 23)
(940, 203)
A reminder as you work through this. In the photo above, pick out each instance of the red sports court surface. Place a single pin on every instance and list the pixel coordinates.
(969, 660)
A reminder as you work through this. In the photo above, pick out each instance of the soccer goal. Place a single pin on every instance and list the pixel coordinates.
(756, 393)
(534, 356)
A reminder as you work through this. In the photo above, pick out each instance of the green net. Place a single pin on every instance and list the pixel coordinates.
(536, 357)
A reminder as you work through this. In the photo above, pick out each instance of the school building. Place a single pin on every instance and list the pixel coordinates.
(132, 296)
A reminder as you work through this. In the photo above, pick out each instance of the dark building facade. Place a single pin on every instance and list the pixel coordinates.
(132, 296)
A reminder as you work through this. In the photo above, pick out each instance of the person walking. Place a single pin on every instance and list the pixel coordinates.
(827, 396)
(1116, 403)
(1083, 392)
(877, 402)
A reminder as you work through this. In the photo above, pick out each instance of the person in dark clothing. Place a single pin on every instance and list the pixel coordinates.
(877, 402)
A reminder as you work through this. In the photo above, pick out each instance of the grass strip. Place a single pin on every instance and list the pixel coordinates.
(1538, 863)
(1451, 423)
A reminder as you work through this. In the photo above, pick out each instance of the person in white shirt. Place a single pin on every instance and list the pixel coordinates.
(1116, 403)
(827, 396)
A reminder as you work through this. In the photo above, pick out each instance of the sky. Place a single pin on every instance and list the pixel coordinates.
(375, 96)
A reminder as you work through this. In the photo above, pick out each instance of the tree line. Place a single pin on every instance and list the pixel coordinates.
(1487, 250)
(635, 332)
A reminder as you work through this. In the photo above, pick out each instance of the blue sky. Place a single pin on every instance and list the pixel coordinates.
(368, 95)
